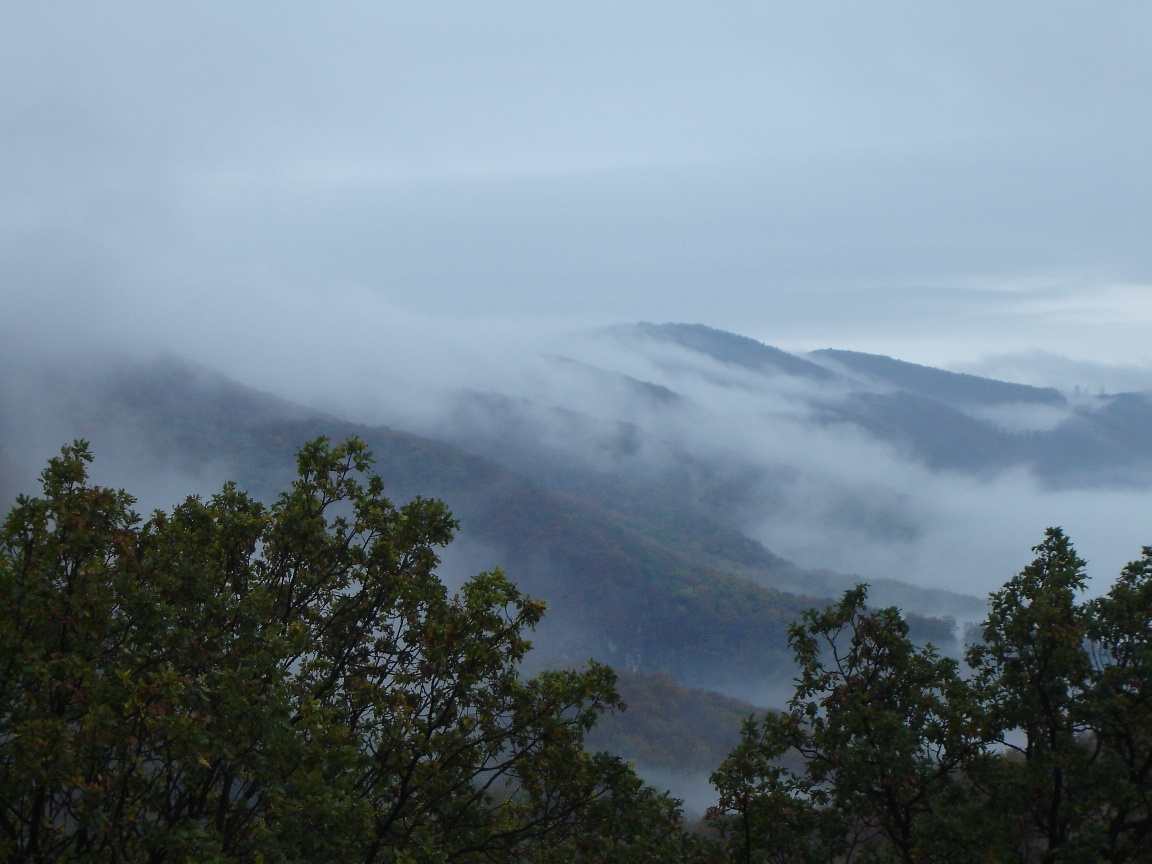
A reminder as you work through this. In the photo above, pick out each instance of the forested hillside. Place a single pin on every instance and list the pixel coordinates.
(616, 593)
(595, 500)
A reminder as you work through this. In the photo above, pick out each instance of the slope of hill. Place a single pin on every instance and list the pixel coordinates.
(614, 593)
(939, 418)
(633, 533)
(877, 467)
(950, 387)
(669, 726)
(619, 497)
(946, 419)
(637, 537)
(730, 348)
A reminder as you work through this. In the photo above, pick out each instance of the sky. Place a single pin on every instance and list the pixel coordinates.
(964, 183)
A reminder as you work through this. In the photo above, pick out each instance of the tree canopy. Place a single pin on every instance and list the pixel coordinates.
(1042, 752)
(230, 681)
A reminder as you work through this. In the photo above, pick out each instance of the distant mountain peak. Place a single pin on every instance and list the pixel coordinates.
(951, 387)
(734, 349)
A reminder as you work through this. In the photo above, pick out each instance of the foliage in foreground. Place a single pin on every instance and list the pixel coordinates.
(1043, 753)
(235, 682)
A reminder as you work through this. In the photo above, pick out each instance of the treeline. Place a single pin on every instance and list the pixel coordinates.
(234, 682)
(1040, 752)
(230, 681)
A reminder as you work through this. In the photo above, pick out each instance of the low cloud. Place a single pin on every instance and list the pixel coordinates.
(1073, 376)
(822, 494)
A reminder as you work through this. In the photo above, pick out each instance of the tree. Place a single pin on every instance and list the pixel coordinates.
(1119, 711)
(236, 682)
(1065, 687)
(634, 824)
(881, 728)
(1032, 671)
(768, 811)
(1042, 755)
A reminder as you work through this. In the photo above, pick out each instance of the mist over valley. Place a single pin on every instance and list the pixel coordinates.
(676, 493)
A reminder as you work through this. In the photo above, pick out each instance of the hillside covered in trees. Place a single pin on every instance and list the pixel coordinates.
(642, 541)
(648, 580)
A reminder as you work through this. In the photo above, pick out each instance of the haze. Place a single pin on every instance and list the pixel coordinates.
(369, 207)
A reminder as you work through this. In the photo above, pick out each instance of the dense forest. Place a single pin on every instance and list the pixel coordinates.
(234, 681)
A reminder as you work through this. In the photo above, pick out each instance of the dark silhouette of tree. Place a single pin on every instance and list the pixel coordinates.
(887, 753)
(877, 729)
(234, 682)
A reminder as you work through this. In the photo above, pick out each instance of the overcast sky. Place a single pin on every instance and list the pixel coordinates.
(943, 182)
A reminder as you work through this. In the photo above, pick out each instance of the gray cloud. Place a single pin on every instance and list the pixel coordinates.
(580, 158)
